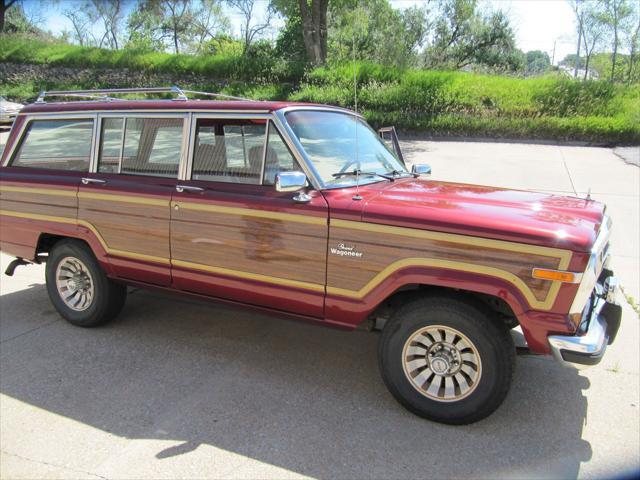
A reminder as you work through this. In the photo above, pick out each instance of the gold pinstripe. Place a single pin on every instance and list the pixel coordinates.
(37, 216)
(563, 255)
(545, 304)
(123, 198)
(290, 217)
(41, 191)
(250, 276)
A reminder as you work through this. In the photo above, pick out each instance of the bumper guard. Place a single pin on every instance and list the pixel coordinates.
(602, 324)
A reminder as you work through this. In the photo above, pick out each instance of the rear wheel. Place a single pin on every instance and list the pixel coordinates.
(78, 287)
(444, 359)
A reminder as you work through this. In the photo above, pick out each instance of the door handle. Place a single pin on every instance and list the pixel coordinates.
(97, 181)
(188, 189)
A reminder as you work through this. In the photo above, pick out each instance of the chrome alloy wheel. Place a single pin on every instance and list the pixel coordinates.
(441, 363)
(74, 284)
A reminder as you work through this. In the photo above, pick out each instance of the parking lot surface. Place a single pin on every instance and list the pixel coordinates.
(181, 389)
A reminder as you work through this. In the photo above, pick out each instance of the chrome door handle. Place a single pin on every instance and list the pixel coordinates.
(87, 181)
(188, 189)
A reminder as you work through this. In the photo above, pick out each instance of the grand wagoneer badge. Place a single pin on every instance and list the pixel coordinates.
(343, 250)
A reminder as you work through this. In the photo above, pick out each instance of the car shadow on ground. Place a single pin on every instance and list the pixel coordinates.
(301, 397)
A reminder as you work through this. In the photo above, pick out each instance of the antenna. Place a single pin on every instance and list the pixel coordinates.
(355, 102)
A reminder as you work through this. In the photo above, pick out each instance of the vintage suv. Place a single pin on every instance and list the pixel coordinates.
(305, 211)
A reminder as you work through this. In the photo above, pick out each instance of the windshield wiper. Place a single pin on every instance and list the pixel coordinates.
(396, 173)
(356, 173)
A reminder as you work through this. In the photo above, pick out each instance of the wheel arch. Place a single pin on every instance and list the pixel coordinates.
(505, 314)
(47, 241)
(496, 293)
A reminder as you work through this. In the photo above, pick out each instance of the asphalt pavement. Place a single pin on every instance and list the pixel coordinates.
(181, 389)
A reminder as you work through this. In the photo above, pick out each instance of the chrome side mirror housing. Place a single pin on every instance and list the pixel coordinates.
(421, 169)
(290, 181)
(293, 182)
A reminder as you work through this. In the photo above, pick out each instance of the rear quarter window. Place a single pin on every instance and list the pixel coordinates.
(141, 146)
(56, 144)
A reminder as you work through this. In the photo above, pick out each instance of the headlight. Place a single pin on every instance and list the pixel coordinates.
(597, 262)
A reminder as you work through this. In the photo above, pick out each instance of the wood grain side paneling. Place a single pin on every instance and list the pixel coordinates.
(245, 243)
(129, 227)
(383, 253)
(32, 201)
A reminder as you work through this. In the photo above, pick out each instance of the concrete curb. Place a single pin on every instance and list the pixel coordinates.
(630, 155)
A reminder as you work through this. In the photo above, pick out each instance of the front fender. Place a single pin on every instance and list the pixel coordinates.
(350, 309)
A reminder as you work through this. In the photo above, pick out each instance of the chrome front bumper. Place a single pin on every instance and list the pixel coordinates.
(598, 328)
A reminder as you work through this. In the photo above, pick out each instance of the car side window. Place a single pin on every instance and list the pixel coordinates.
(110, 144)
(228, 151)
(279, 158)
(56, 144)
(141, 146)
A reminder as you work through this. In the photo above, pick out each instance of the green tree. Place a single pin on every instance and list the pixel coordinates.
(110, 13)
(290, 44)
(416, 26)
(537, 62)
(617, 15)
(5, 5)
(312, 15)
(463, 36)
(373, 30)
(81, 24)
(579, 7)
(314, 29)
(14, 20)
(251, 27)
(209, 22)
(593, 32)
(223, 44)
(633, 43)
(178, 17)
(184, 25)
(144, 25)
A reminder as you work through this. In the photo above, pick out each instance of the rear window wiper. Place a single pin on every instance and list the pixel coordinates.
(355, 173)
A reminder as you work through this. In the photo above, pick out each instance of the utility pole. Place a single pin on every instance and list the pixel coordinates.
(553, 55)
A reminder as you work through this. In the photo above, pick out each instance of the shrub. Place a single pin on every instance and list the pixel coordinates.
(566, 98)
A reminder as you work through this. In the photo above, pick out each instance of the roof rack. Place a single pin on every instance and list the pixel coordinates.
(105, 94)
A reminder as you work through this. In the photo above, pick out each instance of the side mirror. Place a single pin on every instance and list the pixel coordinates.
(293, 182)
(421, 169)
(290, 181)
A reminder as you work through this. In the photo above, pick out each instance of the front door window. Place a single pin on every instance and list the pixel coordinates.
(230, 152)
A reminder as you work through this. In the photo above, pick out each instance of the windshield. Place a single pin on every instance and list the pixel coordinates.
(329, 140)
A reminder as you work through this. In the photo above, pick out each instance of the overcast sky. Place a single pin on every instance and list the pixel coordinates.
(538, 23)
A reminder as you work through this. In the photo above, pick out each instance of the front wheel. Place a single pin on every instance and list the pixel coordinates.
(444, 359)
(78, 287)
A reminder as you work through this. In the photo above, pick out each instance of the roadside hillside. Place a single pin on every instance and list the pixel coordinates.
(428, 102)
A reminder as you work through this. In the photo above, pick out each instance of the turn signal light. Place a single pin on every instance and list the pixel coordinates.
(558, 275)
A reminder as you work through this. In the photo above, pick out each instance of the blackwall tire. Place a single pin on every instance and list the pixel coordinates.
(78, 287)
(444, 359)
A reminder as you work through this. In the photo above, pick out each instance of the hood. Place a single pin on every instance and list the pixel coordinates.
(513, 215)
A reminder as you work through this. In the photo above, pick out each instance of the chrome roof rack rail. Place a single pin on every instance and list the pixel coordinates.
(218, 95)
(105, 94)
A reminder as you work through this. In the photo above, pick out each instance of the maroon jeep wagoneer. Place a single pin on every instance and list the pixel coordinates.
(305, 211)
